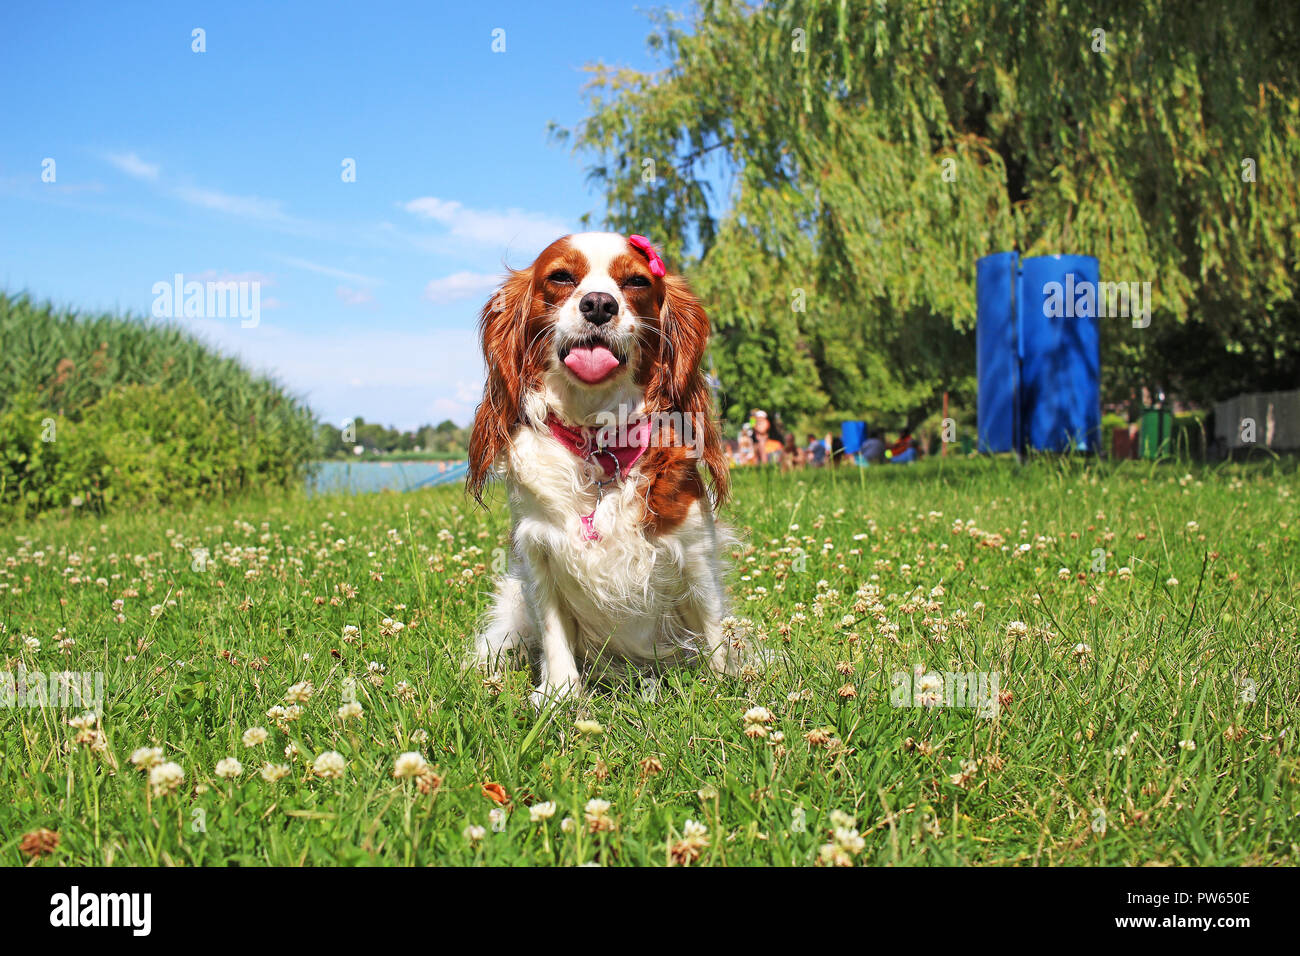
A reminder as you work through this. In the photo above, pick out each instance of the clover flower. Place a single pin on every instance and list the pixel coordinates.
(540, 812)
(274, 772)
(330, 765)
(165, 778)
(410, 764)
(146, 757)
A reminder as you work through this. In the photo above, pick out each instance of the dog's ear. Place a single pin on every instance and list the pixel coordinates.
(685, 330)
(502, 326)
(678, 383)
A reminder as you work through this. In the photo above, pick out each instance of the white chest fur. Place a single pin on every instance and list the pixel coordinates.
(628, 595)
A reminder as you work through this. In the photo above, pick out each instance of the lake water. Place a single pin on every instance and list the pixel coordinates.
(362, 476)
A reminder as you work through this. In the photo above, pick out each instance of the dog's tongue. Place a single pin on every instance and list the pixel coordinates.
(591, 365)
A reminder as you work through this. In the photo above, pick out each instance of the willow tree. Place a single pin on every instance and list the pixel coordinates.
(829, 171)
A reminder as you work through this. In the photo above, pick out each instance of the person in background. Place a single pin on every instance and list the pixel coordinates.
(776, 440)
(744, 448)
(873, 451)
(792, 456)
(816, 451)
(767, 443)
(733, 451)
(903, 450)
(837, 449)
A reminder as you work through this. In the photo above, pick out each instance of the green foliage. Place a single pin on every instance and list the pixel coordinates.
(1189, 438)
(874, 151)
(1109, 422)
(73, 368)
(144, 444)
(35, 473)
(929, 433)
(136, 445)
(447, 440)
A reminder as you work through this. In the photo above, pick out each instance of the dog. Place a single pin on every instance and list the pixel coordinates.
(597, 415)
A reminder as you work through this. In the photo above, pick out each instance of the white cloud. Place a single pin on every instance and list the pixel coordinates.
(444, 408)
(248, 207)
(245, 207)
(513, 227)
(212, 275)
(404, 379)
(133, 165)
(354, 297)
(461, 285)
(333, 273)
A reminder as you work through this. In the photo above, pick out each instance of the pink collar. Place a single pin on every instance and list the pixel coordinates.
(615, 460)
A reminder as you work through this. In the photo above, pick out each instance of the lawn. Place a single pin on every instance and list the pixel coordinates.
(1140, 624)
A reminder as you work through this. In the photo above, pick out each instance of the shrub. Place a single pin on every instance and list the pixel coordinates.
(34, 468)
(205, 425)
(1188, 438)
(144, 444)
(1109, 422)
(137, 445)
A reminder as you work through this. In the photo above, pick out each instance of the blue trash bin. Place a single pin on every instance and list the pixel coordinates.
(1038, 353)
(997, 352)
(1060, 357)
(853, 434)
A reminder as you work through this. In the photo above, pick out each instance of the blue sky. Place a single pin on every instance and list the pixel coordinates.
(227, 164)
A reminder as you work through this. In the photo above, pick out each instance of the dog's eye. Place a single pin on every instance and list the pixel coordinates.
(561, 277)
(637, 281)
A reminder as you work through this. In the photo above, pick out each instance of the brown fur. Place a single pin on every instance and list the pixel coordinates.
(676, 383)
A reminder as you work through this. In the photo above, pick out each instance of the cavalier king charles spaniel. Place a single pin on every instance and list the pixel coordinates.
(597, 415)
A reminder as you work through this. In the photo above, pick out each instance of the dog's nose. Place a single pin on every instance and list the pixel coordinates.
(598, 307)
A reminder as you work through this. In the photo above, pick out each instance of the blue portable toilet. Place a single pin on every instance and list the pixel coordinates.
(853, 434)
(1060, 353)
(1038, 353)
(997, 350)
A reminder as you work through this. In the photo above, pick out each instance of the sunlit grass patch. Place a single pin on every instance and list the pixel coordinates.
(295, 666)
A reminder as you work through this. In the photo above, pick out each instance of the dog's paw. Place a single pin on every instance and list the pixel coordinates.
(730, 661)
(553, 695)
(489, 659)
(726, 660)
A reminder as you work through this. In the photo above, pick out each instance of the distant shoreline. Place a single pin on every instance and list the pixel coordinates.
(386, 460)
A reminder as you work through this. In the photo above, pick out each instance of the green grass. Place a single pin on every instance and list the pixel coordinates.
(1082, 730)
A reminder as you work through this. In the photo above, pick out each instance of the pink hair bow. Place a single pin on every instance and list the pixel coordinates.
(656, 263)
